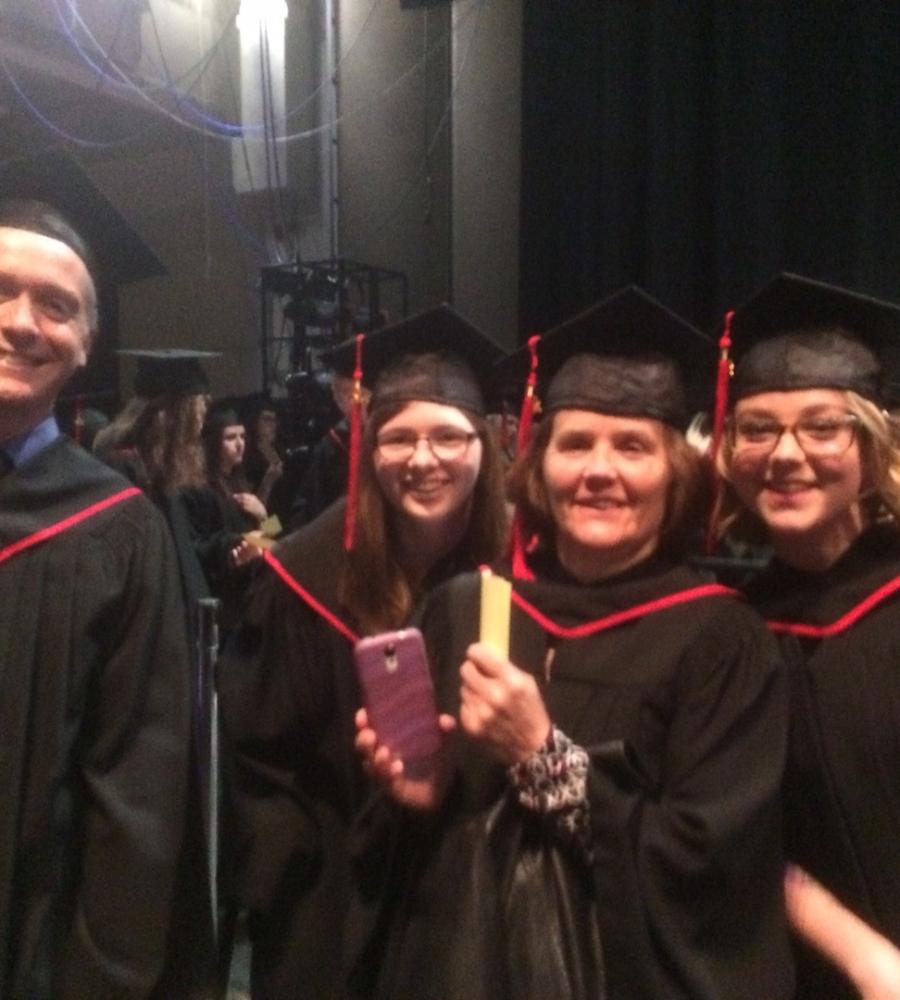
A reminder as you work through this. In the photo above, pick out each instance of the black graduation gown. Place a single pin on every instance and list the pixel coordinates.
(194, 587)
(683, 713)
(843, 785)
(216, 525)
(191, 966)
(94, 735)
(288, 694)
(325, 478)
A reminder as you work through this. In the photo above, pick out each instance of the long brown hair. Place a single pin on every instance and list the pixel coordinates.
(236, 480)
(684, 503)
(167, 437)
(374, 586)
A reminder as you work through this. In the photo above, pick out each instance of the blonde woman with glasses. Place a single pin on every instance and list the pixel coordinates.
(812, 466)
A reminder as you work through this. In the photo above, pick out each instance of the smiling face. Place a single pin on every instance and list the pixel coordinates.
(809, 502)
(607, 480)
(47, 304)
(425, 490)
(231, 447)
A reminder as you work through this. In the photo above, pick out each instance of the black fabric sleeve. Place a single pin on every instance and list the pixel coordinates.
(258, 677)
(212, 537)
(692, 862)
(133, 766)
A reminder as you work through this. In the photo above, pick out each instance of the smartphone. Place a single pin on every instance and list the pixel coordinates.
(398, 693)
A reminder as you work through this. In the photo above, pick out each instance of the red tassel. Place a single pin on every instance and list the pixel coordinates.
(721, 408)
(527, 413)
(355, 446)
(520, 570)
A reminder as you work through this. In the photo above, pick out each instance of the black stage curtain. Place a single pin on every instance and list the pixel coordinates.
(695, 148)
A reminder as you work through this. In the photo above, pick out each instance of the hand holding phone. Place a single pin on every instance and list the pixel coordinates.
(398, 693)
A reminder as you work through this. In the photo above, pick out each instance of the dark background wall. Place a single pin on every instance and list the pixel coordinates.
(697, 147)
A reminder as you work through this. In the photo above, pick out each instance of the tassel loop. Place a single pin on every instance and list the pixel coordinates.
(725, 371)
(518, 544)
(355, 448)
(526, 416)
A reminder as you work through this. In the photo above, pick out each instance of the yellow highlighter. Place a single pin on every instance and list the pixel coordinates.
(495, 602)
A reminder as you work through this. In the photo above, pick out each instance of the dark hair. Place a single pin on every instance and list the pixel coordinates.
(684, 503)
(374, 586)
(213, 432)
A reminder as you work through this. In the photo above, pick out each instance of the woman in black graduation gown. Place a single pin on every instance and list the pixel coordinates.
(605, 820)
(223, 512)
(814, 469)
(429, 504)
(263, 459)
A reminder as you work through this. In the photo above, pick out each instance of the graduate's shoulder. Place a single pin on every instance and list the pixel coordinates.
(64, 484)
(310, 559)
(316, 548)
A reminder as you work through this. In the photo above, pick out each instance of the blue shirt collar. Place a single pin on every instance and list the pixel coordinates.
(26, 446)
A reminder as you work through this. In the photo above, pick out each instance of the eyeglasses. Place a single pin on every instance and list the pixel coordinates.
(822, 434)
(446, 444)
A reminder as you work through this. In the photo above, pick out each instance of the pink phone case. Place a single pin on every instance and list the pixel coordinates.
(397, 691)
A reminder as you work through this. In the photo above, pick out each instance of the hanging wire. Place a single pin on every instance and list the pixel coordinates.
(280, 182)
(422, 170)
(114, 42)
(52, 126)
(224, 129)
(248, 235)
(228, 130)
(374, 100)
(270, 147)
(122, 79)
(337, 66)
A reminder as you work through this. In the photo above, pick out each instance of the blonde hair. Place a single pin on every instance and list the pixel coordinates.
(878, 434)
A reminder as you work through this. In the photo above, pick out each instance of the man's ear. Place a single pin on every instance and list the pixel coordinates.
(87, 342)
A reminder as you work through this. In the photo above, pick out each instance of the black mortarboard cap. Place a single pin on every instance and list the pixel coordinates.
(627, 355)
(797, 333)
(219, 417)
(435, 355)
(170, 370)
(121, 255)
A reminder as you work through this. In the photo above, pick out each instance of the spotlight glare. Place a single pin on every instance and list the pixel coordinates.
(253, 13)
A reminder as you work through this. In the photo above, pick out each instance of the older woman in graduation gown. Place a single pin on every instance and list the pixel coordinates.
(604, 821)
(429, 504)
(813, 466)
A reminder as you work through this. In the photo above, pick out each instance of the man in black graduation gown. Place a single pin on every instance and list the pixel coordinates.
(94, 711)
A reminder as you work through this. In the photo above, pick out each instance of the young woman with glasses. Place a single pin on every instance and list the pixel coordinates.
(429, 503)
(812, 466)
